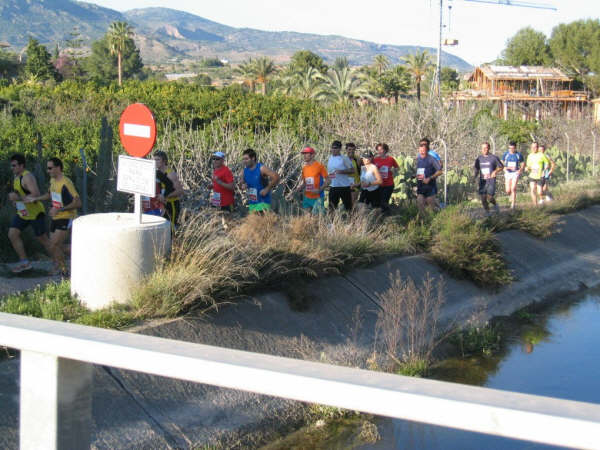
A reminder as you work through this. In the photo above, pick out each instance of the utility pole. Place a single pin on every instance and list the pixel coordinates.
(438, 67)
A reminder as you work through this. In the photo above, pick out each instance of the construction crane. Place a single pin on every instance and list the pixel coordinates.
(518, 3)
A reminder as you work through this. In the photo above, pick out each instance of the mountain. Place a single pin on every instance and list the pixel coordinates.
(164, 34)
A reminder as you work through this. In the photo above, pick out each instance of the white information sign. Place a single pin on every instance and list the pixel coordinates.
(136, 176)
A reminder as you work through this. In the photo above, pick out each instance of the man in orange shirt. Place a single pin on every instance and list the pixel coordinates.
(314, 181)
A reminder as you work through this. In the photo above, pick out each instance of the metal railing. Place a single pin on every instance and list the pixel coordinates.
(56, 385)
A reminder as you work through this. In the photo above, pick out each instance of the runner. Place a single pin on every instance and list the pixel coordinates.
(314, 182)
(513, 167)
(535, 165)
(546, 176)
(486, 167)
(223, 184)
(340, 171)
(65, 201)
(428, 169)
(370, 182)
(351, 150)
(28, 213)
(259, 181)
(388, 169)
(170, 189)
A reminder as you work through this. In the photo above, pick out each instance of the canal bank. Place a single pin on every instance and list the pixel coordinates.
(134, 410)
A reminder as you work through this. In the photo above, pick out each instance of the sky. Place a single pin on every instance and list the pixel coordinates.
(482, 29)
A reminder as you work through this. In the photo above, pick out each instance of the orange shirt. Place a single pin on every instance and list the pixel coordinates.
(314, 176)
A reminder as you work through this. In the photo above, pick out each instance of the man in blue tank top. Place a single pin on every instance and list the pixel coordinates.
(513, 167)
(259, 181)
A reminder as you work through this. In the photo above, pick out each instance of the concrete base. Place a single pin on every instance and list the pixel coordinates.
(111, 253)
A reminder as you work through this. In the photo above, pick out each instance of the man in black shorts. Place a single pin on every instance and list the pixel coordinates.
(486, 167)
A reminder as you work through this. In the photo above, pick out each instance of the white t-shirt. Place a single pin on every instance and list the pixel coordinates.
(340, 162)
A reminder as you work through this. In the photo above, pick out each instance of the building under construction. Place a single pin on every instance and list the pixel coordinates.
(530, 92)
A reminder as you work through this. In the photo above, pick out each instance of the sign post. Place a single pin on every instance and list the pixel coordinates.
(137, 175)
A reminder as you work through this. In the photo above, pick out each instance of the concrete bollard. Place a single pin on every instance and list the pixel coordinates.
(111, 253)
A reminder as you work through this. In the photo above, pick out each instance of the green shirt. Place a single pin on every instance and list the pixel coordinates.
(537, 162)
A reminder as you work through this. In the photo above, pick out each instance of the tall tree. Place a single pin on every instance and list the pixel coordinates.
(341, 62)
(418, 65)
(342, 86)
(101, 65)
(527, 48)
(264, 68)
(247, 71)
(449, 77)
(303, 59)
(393, 82)
(119, 35)
(381, 62)
(39, 65)
(308, 83)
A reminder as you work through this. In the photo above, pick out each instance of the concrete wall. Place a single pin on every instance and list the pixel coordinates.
(134, 410)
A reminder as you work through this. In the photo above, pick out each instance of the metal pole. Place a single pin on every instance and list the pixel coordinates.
(84, 195)
(438, 70)
(137, 208)
(594, 155)
(445, 173)
(568, 153)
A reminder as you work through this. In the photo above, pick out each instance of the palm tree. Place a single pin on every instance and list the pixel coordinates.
(247, 70)
(264, 69)
(308, 83)
(418, 64)
(343, 85)
(381, 62)
(119, 34)
(341, 62)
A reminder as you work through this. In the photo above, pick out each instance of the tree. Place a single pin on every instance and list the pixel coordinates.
(393, 82)
(418, 65)
(381, 62)
(118, 37)
(9, 64)
(203, 79)
(342, 86)
(39, 65)
(101, 65)
(303, 59)
(341, 62)
(449, 77)
(264, 69)
(308, 83)
(527, 48)
(576, 49)
(247, 70)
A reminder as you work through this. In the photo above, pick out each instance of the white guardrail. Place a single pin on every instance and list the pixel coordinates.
(56, 386)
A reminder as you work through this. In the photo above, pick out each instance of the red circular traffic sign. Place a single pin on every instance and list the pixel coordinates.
(137, 130)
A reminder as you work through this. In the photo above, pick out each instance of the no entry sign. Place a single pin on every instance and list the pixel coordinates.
(137, 130)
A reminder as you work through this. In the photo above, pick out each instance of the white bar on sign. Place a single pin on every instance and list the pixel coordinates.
(131, 129)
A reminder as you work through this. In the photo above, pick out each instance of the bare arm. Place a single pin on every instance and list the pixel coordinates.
(178, 189)
(273, 179)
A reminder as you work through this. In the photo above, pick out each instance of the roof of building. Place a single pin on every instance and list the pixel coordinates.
(494, 72)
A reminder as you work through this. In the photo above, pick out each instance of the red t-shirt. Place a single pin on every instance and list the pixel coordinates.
(385, 166)
(222, 196)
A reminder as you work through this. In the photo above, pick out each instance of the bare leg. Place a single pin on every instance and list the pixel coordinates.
(421, 204)
(14, 235)
(57, 239)
(484, 202)
(533, 192)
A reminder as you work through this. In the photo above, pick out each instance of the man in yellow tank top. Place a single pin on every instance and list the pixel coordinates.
(33, 213)
(65, 201)
(170, 189)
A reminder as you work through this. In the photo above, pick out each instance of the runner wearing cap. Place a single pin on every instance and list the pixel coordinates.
(223, 185)
(170, 189)
(30, 213)
(65, 201)
(388, 169)
(259, 181)
(513, 167)
(355, 188)
(314, 181)
(486, 167)
(370, 182)
(340, 170)
(428, 169)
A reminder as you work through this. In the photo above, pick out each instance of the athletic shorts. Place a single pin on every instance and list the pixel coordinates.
(259, 207)
(427, 190)
(316, 204)
(228, 208)
(371, 198)
(538, 182)
(38, 224)
(545, 181)
(511, 175)
(172, 210)
(487, 187)
(60, 224)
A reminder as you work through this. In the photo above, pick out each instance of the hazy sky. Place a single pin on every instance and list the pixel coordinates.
(482, 29)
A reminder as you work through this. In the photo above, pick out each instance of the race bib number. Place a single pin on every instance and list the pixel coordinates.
(252, 195)
(512, 165)
(535, 172)
(421, 173)
(485, 172)
(215, 199)
(310, 184)
(384, 171)
(56, 200)
(21, 209)
(332, 175)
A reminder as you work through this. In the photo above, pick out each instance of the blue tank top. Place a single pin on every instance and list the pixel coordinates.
(512, 161)
(256, 183)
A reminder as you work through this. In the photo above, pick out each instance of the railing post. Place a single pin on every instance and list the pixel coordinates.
(56, 403)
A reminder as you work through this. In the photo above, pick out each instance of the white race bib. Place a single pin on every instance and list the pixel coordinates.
(56, 200)
(421, 173)
(21, 209)
(332, 175)
(310, 184)
(535, 172)
(512, 165)
(485, 172)
(384, 171)
(215, 199)
(252, 195)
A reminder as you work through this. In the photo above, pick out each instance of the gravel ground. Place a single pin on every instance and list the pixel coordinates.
(38, 276)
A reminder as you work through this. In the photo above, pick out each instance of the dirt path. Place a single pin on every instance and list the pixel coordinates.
(39, 276)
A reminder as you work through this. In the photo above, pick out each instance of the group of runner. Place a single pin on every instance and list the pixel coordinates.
(355, 182)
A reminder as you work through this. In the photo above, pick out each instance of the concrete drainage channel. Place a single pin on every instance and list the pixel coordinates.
(133, 410)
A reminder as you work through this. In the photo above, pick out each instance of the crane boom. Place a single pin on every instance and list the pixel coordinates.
(516, 3)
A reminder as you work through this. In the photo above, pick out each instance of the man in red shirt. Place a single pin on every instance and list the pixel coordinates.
(223, 185)
(388, 169)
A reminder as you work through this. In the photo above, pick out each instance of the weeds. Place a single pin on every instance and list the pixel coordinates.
(485, 340)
